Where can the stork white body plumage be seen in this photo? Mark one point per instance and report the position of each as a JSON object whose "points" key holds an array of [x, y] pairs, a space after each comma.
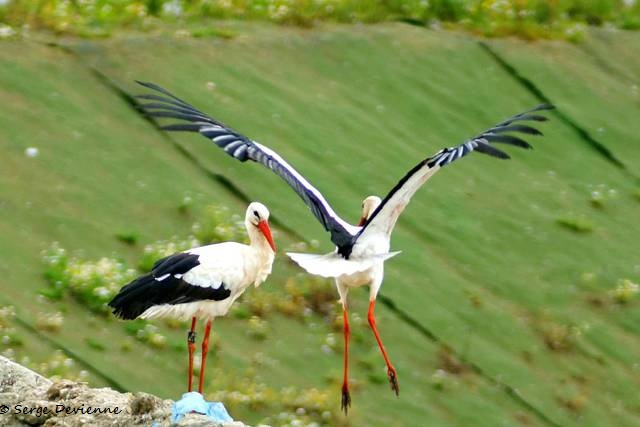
{"points": [[360, 250], [201, 282], [231, 265], [365, 265]]}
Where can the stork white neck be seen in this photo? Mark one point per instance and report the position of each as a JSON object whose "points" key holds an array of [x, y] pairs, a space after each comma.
{"points": [[369, 205], [261, 242]]}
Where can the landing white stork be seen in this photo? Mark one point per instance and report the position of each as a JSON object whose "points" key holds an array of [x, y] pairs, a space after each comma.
{"points": [[360, 250], [202, 282]]}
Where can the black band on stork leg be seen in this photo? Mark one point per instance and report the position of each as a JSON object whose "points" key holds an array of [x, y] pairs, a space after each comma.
{"points": [[191, 345]]}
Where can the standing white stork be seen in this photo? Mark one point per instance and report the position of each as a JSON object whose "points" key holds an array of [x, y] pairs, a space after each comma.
{"points": [[360, 250], [201, 282]]}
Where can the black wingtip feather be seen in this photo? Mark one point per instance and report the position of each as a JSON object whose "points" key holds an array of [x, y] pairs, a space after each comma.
{"points": [[508, 139], [516, 128], [184, 127], [485, 148], [175, 115], [145, 84], [155, 87], [545, 106], [540, 107], [533, 117], [171, 106], [162, 90]]}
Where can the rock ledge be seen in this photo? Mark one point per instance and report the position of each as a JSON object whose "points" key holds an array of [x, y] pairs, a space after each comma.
{"points": [[28, 398]]}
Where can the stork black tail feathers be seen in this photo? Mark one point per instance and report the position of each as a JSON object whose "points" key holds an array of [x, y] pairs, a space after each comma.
{"points": [[133, 299], [164, 285]]}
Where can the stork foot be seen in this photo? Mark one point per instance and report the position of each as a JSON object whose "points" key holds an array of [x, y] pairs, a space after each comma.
{"points": [[393, 380], [346, 399]]}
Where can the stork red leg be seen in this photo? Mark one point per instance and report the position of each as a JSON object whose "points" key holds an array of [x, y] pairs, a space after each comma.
{"points": [[391, 372], [191, 344], [346, 397], [205, 350]]}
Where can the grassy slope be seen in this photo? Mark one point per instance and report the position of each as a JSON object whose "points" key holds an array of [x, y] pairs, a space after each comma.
{"points": [[87, 181], [79, 191], [484, 265], [601, 72]]}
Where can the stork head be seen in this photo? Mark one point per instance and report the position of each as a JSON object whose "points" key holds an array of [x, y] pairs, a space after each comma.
{"points": [[369, 205], [258, 216]]}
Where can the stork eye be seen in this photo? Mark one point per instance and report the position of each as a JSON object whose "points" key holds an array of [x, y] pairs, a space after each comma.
{"points": [[256, 214]]}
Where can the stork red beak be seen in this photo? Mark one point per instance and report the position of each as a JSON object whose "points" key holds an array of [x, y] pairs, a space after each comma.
{"points": [[362, 221], [264, 228]]}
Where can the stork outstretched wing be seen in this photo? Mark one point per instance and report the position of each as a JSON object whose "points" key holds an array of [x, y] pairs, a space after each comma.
{"points": [[240, 147], [383, 219]]}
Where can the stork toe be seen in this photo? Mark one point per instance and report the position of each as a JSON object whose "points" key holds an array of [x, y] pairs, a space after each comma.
{"points": [[346, 400], [393, 380]]}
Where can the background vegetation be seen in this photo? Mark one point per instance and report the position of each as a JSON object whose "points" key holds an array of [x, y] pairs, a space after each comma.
{"points": [[514, 302], [529, 19]]}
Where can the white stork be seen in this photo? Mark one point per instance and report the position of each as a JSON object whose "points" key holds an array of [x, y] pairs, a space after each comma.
{"points": [[360, 250], [201, 282]]}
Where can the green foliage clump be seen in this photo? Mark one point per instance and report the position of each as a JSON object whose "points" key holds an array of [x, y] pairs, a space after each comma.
{"points": [[292, 406], [8, 335], [625, 291], [94, 283], [146, 333], [51, 322], [257, 328], [185, 204], [163, 248], [7, 32], [91, 18], [562, 337], [440, 379], [602, 194], [128, 237], [58, 366], [574, 223], [306, 294], [217, 224], [95, 344]]}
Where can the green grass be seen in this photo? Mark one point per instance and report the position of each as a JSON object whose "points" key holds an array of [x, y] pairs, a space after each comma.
{"points": [[485, 265]]}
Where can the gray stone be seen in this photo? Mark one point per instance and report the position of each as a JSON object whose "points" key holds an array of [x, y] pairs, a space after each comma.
{"points": [[27, 398]]}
